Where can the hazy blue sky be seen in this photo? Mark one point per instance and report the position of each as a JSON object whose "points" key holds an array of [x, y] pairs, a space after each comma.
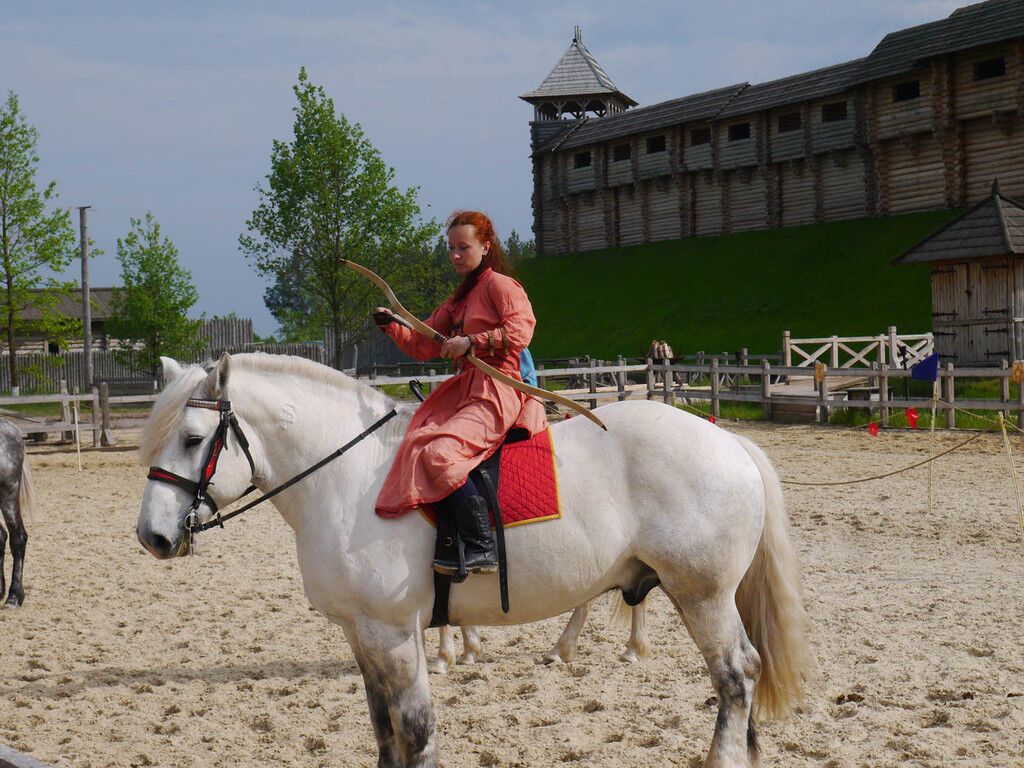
{"points": [[172, 107]]}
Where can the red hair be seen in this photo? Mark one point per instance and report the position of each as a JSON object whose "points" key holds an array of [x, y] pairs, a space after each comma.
{"points": [[495, 257]]}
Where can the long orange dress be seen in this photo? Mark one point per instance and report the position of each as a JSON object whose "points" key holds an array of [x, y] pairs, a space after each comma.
{"points": [[466, 418]]}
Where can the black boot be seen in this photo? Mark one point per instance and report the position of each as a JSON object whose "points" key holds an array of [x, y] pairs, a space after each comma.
{"points": [[472, 520]]}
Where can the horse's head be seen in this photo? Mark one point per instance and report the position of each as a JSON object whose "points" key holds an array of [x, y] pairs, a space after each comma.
{"points": [[198, 457]]}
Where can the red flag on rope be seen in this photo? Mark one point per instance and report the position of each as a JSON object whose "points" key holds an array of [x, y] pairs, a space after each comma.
{"points": [[711, 419], [873, 428], [912, 417]]}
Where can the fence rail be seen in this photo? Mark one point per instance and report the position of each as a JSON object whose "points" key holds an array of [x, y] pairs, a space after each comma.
{"points": [[712, 382]]}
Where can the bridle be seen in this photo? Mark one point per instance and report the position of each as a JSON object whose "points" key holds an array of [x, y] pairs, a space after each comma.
{"points": [[199, 489]]}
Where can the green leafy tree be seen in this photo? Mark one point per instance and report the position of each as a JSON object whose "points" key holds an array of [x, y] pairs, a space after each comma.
{"points": [[32, 240], [517, 248], [330, 196], [150, 310]]}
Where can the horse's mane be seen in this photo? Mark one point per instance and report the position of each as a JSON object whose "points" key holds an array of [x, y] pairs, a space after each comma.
{"points": [[169, 408]]}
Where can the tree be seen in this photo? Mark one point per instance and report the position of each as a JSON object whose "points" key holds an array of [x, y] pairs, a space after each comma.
{"points": [[151, 308], [31, 240], [330, 196], [517, 248]]}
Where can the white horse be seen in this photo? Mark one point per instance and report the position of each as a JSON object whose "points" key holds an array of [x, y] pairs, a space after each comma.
{"points": [[564, 648], [661, 498]]}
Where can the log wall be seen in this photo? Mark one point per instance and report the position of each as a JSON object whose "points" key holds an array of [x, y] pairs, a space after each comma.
{"points": [[942, 148]]}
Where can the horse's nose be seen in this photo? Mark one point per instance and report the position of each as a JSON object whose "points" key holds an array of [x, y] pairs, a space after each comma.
{"points": [[156, 544]]}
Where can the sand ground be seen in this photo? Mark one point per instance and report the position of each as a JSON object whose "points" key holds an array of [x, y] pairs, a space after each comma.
{"points": [[117, 659]]}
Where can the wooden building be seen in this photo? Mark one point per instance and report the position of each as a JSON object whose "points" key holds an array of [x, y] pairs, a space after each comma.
{"points": [[926, 120], [977, 266]]}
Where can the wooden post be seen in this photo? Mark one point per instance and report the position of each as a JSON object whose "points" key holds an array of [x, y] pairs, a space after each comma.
{"points": [[666, 365], [620, 377], [823, 399], [650, 379], [107, 436], [883, 394], [65, 412], [1020, 405], [787, 353], [766, 389], [592, 381], [881, 351], [950, 397], [715, 407], [541, 379], [1004, 389], [834, 360], [893, 347], [95, 406], [744, 358]]}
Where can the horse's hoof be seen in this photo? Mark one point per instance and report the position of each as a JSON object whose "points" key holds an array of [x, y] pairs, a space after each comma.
{"points": [[629, 656], [439, 667], [552, 657], [13, 602], [468, 658]]}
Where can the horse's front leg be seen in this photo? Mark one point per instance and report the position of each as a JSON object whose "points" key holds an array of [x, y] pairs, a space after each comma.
{"points": [[445, 652], [394, 667]]}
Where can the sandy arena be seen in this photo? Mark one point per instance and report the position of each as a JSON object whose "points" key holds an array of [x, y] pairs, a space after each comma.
{"points": [[120, 660]]}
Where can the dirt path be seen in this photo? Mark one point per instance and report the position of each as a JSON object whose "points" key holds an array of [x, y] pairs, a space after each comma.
{"points": [[120, 660]]}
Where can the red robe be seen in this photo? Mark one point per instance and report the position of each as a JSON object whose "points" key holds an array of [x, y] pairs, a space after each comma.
{"points": [[466, 418]]}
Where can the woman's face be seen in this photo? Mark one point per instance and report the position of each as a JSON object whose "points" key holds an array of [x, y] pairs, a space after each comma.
{"points": [[464, 249]]}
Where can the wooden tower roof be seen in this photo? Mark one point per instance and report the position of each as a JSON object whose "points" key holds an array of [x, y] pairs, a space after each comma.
{"points": [[578, 74], [994, 227]]}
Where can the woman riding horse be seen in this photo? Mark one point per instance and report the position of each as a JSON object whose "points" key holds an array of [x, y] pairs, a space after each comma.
{"points": [[466, 419]]}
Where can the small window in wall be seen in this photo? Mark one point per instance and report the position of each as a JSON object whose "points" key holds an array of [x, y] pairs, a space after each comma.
{"points": [[907, 91], [700, 136], [790, 121], [622, 152], [983, 70], [581, 160], [739, 131], [834, 112], [655, 144]]}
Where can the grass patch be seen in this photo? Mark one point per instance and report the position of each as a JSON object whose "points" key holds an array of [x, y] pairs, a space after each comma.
{"points": [[722, 293]]}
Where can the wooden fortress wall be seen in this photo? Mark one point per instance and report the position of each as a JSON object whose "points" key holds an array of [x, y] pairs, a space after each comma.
{"points": [[940, 149]]}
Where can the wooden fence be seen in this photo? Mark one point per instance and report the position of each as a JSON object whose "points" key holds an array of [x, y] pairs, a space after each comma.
{"points": [[886, 349]]}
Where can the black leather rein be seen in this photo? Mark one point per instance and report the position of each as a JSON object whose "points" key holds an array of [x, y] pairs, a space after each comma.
{"points": [[199, 488]]}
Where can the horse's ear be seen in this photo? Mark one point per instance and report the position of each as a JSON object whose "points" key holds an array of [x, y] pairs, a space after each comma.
{"points": [[217, 380], [171, 369]]}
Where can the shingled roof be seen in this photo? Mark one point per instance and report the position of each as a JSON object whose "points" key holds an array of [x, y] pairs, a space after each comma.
{"points": [[968, 27], [994, 227], [577, 73], [700, 106], [793, 89]]}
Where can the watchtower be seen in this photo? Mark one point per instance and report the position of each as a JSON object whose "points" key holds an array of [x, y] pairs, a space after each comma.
{"points": [[576, 87]]}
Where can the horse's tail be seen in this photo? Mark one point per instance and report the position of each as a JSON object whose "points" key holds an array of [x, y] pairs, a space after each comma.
{"points": [[770, 602], [25, 490]]}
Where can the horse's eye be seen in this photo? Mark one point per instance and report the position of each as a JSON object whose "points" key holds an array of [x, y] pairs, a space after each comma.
{"points": [[192, 441]]}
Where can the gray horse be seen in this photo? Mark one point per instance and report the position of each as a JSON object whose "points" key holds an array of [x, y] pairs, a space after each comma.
{"points": [[15, 498]]}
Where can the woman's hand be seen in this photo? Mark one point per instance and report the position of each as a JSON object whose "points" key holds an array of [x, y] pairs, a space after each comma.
{"points": [[456, 346], [383, 317]]}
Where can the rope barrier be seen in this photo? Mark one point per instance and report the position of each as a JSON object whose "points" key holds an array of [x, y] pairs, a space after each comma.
{"points": [[957, 447]]}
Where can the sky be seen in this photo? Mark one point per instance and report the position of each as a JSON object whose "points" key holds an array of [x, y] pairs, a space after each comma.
{"points": [[173, 107]]}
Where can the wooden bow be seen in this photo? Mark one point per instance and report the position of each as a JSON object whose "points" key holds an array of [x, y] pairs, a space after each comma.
{"points": [[421, 327]]}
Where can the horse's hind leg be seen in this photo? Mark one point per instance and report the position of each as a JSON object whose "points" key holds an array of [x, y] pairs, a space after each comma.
{"points": [[471, 646], [735, 666], [636, 647], [565, 648], [445, 652], [18, 538]]}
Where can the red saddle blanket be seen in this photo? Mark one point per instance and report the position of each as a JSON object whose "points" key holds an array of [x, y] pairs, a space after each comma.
{"points": [[528, 488]]}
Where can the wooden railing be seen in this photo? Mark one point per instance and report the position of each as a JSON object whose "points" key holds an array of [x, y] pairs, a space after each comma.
{"points": [[886, 349]]}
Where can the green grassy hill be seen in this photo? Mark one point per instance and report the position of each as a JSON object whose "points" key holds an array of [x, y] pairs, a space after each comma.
{"points": [[721, 293]]}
